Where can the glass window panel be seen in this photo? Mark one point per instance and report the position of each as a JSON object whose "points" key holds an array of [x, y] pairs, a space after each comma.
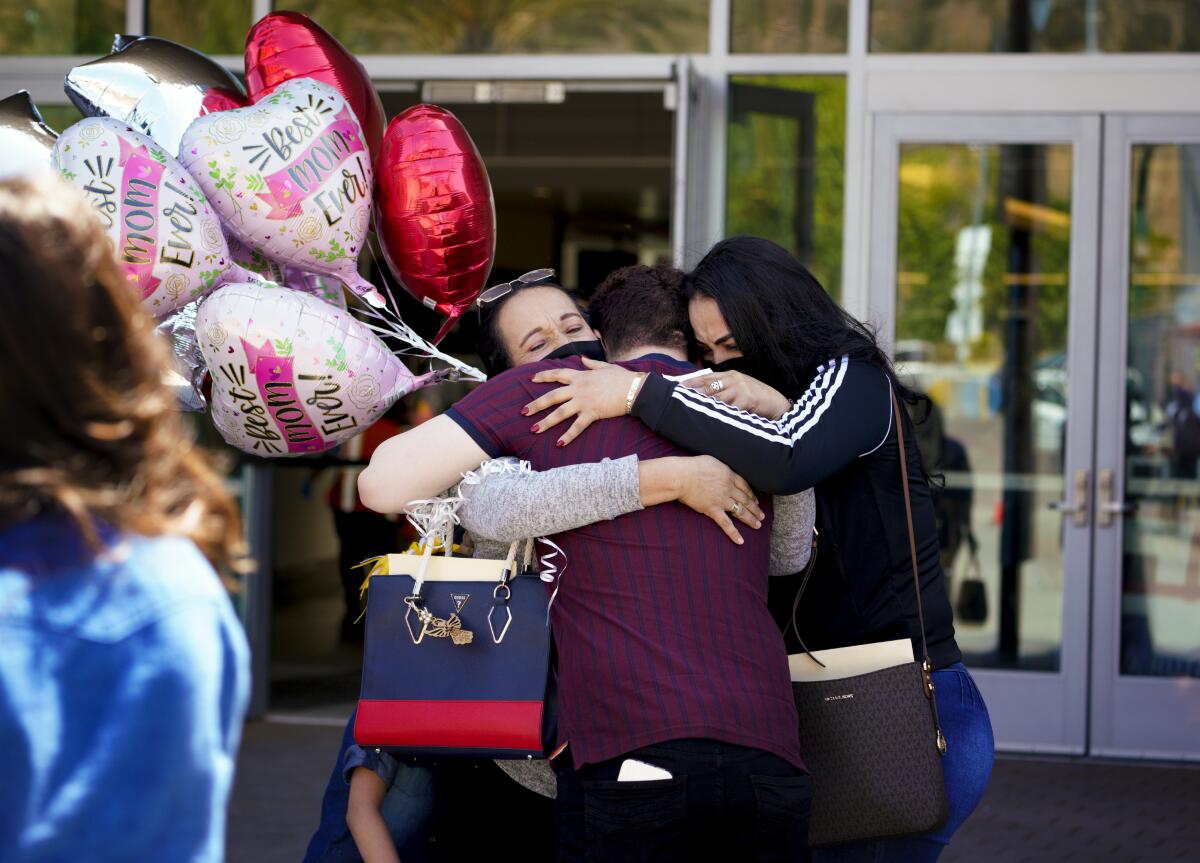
{"points": [[512, 26], [213, 27], [983, 245], [1160, 586], [60, 27], [59, 117], [787, 144], [789, 26], [972, 26]]}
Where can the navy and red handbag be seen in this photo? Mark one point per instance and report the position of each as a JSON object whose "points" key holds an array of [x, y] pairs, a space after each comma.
{"points": [[457, 656]]}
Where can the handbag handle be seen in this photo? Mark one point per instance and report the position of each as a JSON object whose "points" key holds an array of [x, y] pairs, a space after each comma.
{"points": [[908, 520], [509, 562], [808, 571], [926, 666]]}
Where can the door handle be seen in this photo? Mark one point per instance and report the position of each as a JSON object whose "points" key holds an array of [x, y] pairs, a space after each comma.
{"points": [[1106, 508], [1077, 507]]}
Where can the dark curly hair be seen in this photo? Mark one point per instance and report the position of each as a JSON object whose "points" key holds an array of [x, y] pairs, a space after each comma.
{"points": [[640, 305]]}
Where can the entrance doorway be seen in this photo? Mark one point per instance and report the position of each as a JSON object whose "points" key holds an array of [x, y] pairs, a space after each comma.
{"points": [[1043, 277], [584, 176], [581, 173]]}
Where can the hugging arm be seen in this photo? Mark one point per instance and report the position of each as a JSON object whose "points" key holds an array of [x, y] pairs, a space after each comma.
{"points": [[791, 532], [418, 464], [845, 413], [506, 503]]}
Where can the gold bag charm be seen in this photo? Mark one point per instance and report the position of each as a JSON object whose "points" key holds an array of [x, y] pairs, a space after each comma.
{"points": [[449, 627]]}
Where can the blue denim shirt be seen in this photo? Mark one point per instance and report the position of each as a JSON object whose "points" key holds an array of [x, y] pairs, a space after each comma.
{"points": [[123, 684]]}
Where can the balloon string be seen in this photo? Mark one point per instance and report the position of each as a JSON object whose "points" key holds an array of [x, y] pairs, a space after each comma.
{"points": [[435, 518], [392, 325], [381, 266], [397, 329], [550, 572]]}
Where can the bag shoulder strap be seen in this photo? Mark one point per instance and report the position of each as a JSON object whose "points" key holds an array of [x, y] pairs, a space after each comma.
{"points": [[908, 518], [912, 543]]}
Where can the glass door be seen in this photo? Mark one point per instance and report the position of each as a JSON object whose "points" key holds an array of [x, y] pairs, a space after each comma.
{"points": [[1146, 617], [983, 275]]}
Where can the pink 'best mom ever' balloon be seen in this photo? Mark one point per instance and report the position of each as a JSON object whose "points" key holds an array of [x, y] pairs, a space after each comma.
{"points": [[291, 176], [293, 374], [167, 239]]}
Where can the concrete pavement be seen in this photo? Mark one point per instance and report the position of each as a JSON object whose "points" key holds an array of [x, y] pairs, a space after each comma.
{"points": [[1035, 810]]}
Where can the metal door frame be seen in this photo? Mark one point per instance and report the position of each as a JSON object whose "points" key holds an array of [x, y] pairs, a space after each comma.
{"points": [[1139, 717], [1031, 710]]}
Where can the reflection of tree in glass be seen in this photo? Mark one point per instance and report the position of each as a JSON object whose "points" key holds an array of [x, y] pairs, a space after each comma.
{"points": [[214, 27], [513, 26], [764, 166], [59, 27], [938, 183], [1034, 25], [787, 27]]}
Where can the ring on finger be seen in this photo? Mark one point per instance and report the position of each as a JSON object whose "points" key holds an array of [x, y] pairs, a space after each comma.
{"points": [[716, 386], [736, 509]]}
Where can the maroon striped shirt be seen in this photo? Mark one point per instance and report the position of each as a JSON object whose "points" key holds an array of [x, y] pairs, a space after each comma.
{"points": [[661, 622]]}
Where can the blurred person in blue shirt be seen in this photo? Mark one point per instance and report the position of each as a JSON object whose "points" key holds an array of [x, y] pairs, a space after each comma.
{"points": [[123, 670]]}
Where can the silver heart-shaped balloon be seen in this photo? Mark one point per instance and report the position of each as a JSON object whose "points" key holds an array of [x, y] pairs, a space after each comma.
{"points": [[25, 139], [154, 85]]}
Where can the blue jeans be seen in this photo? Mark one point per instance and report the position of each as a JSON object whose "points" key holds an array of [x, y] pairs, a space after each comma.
{"points": [[966, 766], [407, 809]]}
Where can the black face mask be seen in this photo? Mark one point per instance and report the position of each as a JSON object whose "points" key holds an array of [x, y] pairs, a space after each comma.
{"points": [[733, 364], [593, 350], [743, 364]]}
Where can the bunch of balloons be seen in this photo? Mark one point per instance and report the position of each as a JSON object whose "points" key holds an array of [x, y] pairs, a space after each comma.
{"points": [[238, 213]]}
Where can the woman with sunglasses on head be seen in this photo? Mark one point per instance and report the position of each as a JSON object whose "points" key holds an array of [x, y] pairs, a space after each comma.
{"points": [[802, 396], [531, 319], [521, 322]]}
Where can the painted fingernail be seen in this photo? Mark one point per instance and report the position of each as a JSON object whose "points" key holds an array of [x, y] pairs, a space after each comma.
{"points": [[534, 428], [561, 442], [524, 412]]}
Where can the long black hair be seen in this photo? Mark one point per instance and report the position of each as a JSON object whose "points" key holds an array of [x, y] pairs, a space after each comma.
{"points": [[781, 317]]}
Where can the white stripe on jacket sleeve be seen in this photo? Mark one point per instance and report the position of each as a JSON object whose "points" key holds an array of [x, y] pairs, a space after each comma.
{"points": [[806, 413]]}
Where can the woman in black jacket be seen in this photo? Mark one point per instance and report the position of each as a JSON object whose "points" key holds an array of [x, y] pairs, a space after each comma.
{"points": [[801, 396]]}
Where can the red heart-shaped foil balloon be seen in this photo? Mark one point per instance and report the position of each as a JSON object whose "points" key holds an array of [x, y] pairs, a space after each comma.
{"points": [[434, 213], [287, 45]]}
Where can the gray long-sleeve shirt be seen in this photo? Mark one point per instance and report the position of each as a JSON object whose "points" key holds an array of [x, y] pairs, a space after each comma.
{"points": [[505, 501]]}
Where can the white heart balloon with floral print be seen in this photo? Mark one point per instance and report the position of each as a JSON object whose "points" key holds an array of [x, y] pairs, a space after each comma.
{"points": [[292, 374], [167, 238], [291, 176]]}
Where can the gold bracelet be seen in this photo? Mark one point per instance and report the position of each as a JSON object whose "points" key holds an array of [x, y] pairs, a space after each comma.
{"points": [[634, 386]]}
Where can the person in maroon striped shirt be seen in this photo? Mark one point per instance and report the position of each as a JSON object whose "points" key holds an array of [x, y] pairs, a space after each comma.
{"points": [[668, 655]]}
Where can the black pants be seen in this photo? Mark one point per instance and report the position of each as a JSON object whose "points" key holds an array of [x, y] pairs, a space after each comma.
{"points": [[481, 815], [723, 802]]}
